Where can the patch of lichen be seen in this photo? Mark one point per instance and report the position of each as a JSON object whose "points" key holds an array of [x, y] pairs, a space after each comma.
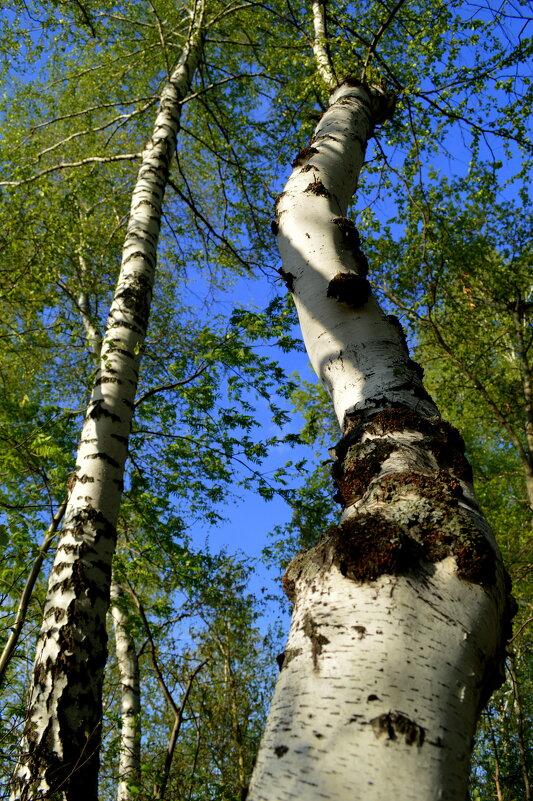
{"points": [[368, 546], [474, 555], [360, 464], [446, 530], [436, 545], [440, 488], [449, 456]]}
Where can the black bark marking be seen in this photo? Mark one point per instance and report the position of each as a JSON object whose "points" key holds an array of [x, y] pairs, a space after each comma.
{"points": [[122, 351], [104, 457], [81, 655], [278, 200], [394, 321], [352, 241], [321, 138], [288, 278], [318, 641], [361, 631], [121, 323], [99, 410], [304, 155], [280, 750], [287, 656], [372, 697], [106, 379], [380, 104], [318, 188], [137, 294], [274, 227], [394, 725], [349, 288], [137, 254], [120, 438]]}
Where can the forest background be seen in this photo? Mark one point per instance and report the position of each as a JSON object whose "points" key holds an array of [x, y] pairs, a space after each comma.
{"points": [[444, 213]]}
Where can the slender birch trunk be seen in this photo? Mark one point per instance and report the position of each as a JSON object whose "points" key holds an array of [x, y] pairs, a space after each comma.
{"points": [[401, 611], [60, 755], [129, 770]]}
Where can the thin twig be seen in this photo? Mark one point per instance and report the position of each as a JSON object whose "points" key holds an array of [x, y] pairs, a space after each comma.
{"points": [[377, 36], [66, 165]]}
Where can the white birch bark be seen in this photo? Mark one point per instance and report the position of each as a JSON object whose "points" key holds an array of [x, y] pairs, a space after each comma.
{"points": [[398, 621], [62, 733], [130, 700], [320, 44]]}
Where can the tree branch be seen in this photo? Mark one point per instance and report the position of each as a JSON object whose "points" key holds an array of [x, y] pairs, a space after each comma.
{"points": [[66, 165], [160, 787], [324, 63], [377, 36]]}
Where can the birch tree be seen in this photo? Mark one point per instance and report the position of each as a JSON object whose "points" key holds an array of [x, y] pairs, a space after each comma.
{"points": [[130, 692], [401, 612], [64, 711], [64, 716], [474, 334]]}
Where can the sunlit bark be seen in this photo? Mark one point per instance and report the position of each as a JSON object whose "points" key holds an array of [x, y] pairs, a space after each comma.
{"points": [[400, 611]]}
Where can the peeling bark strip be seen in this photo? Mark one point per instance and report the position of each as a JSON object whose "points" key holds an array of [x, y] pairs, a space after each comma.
{"points": [[401, 612], [60, 755]]}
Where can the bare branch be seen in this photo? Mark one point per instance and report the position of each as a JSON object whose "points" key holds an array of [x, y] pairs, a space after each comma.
{"points": [[86, 17], [67, 165], [196, 211], [160, 787], [173, 385], [377, 36], [151, 100], [121, 118], [161, 38]]}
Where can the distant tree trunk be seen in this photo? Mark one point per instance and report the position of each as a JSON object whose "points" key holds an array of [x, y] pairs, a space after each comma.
{"points": [[60, 752], [130, 700], [401, 611]]}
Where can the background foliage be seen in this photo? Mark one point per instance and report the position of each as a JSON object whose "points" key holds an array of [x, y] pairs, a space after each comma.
{"points": [[218, 403]]}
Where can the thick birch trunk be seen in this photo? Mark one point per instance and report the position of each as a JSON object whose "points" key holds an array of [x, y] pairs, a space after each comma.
{"points": [[62, 733], [130, 700], [400, 612]]}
